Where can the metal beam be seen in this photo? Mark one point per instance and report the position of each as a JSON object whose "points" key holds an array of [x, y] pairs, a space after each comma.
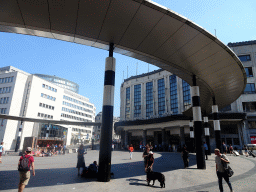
{"points": [[15, 118]]}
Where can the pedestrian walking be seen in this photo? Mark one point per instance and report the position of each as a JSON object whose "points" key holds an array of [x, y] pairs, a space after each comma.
{"points": [[145, 156], [246, 151], [113, 146], [230, 149], [185, 155], [1, 151], [150, 162], [206, 150], [59, 149], [64, 149], [80, 159], [26, 161], [220, 171], [224, 148], [173, 148], [131, 150]]}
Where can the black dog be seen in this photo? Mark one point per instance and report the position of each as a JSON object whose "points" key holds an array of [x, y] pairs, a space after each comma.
{"points": [[156, 176]]}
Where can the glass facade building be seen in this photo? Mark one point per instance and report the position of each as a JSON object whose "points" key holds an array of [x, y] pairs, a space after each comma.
{"points": [[186, 95], [127, 103], [173, 94], [149, 99], [137, 100], [161, 96]]}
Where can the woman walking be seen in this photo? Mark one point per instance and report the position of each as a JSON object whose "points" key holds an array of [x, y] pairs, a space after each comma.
{"points": [[150, 162], [131, 150], [185, 156], [80, 158]]}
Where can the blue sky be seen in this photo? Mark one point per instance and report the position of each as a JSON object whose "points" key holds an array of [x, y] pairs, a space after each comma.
{"points": [[234, 21]]}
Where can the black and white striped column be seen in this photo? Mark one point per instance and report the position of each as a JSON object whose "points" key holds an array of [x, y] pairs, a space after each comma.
{"points": [[107, 118], [216, 123], [191, 130], [192, 136], [207, 134], [19, 137], [197, 117]]}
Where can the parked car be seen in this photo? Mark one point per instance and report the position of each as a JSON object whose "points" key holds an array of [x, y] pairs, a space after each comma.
{"points": [[251, 146]]}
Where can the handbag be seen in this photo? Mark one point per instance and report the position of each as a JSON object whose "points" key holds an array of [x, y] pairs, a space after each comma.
{"points": [[228, 170]]}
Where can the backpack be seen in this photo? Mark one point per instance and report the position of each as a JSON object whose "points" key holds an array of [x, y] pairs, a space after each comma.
{"points": [[24, 164]]}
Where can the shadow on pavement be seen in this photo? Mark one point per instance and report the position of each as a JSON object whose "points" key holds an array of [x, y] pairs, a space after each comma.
{"points": [[62, 176]]}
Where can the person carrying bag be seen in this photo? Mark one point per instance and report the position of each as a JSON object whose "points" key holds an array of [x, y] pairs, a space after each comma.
{"points": [[228, 170]]}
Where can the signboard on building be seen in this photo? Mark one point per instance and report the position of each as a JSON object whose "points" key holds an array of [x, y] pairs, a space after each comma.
{"points": [[253, 139]]}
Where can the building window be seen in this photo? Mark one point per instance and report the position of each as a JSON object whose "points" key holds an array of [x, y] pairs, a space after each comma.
{"points": [[249, 106], [186, 95], [127, 107], [249, 89], [137, 100], [3, 110], [161, 96], [244, 57], [248, 71], [227, 108], [149, 99], [173, 94], [6, 80], [4, 100]]}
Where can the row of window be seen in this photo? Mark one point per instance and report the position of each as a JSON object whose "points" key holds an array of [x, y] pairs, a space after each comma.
{"points": [[46, 106], [161, 96], [137, 100], [6, 80], [49, 88], [81, 130], [149, 99], [73, 117], [48, 97], [244, 57], [75, 112], [3, 110], [76, 107], [173, 94], [127, 108], [45, 115], [5, 90], [76, 101], [4, 100]]}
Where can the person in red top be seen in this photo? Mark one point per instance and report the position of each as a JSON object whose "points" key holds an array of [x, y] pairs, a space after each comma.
{"points": [[131, 150], [25, 175]]}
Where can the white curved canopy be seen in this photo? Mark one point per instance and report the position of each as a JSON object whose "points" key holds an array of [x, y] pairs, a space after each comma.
{"points": [[140, 29]]}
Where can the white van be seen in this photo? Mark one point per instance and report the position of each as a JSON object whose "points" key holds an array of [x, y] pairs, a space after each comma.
{"points": [[251, 146]]}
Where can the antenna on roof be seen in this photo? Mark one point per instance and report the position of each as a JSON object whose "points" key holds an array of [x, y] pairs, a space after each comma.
{"points": [[136, 68]]}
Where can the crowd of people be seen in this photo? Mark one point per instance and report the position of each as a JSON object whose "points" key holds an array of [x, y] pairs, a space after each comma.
{"points": [[50, 150]]}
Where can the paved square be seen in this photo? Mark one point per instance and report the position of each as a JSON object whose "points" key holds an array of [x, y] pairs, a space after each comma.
{"points": [[58, 173]]}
